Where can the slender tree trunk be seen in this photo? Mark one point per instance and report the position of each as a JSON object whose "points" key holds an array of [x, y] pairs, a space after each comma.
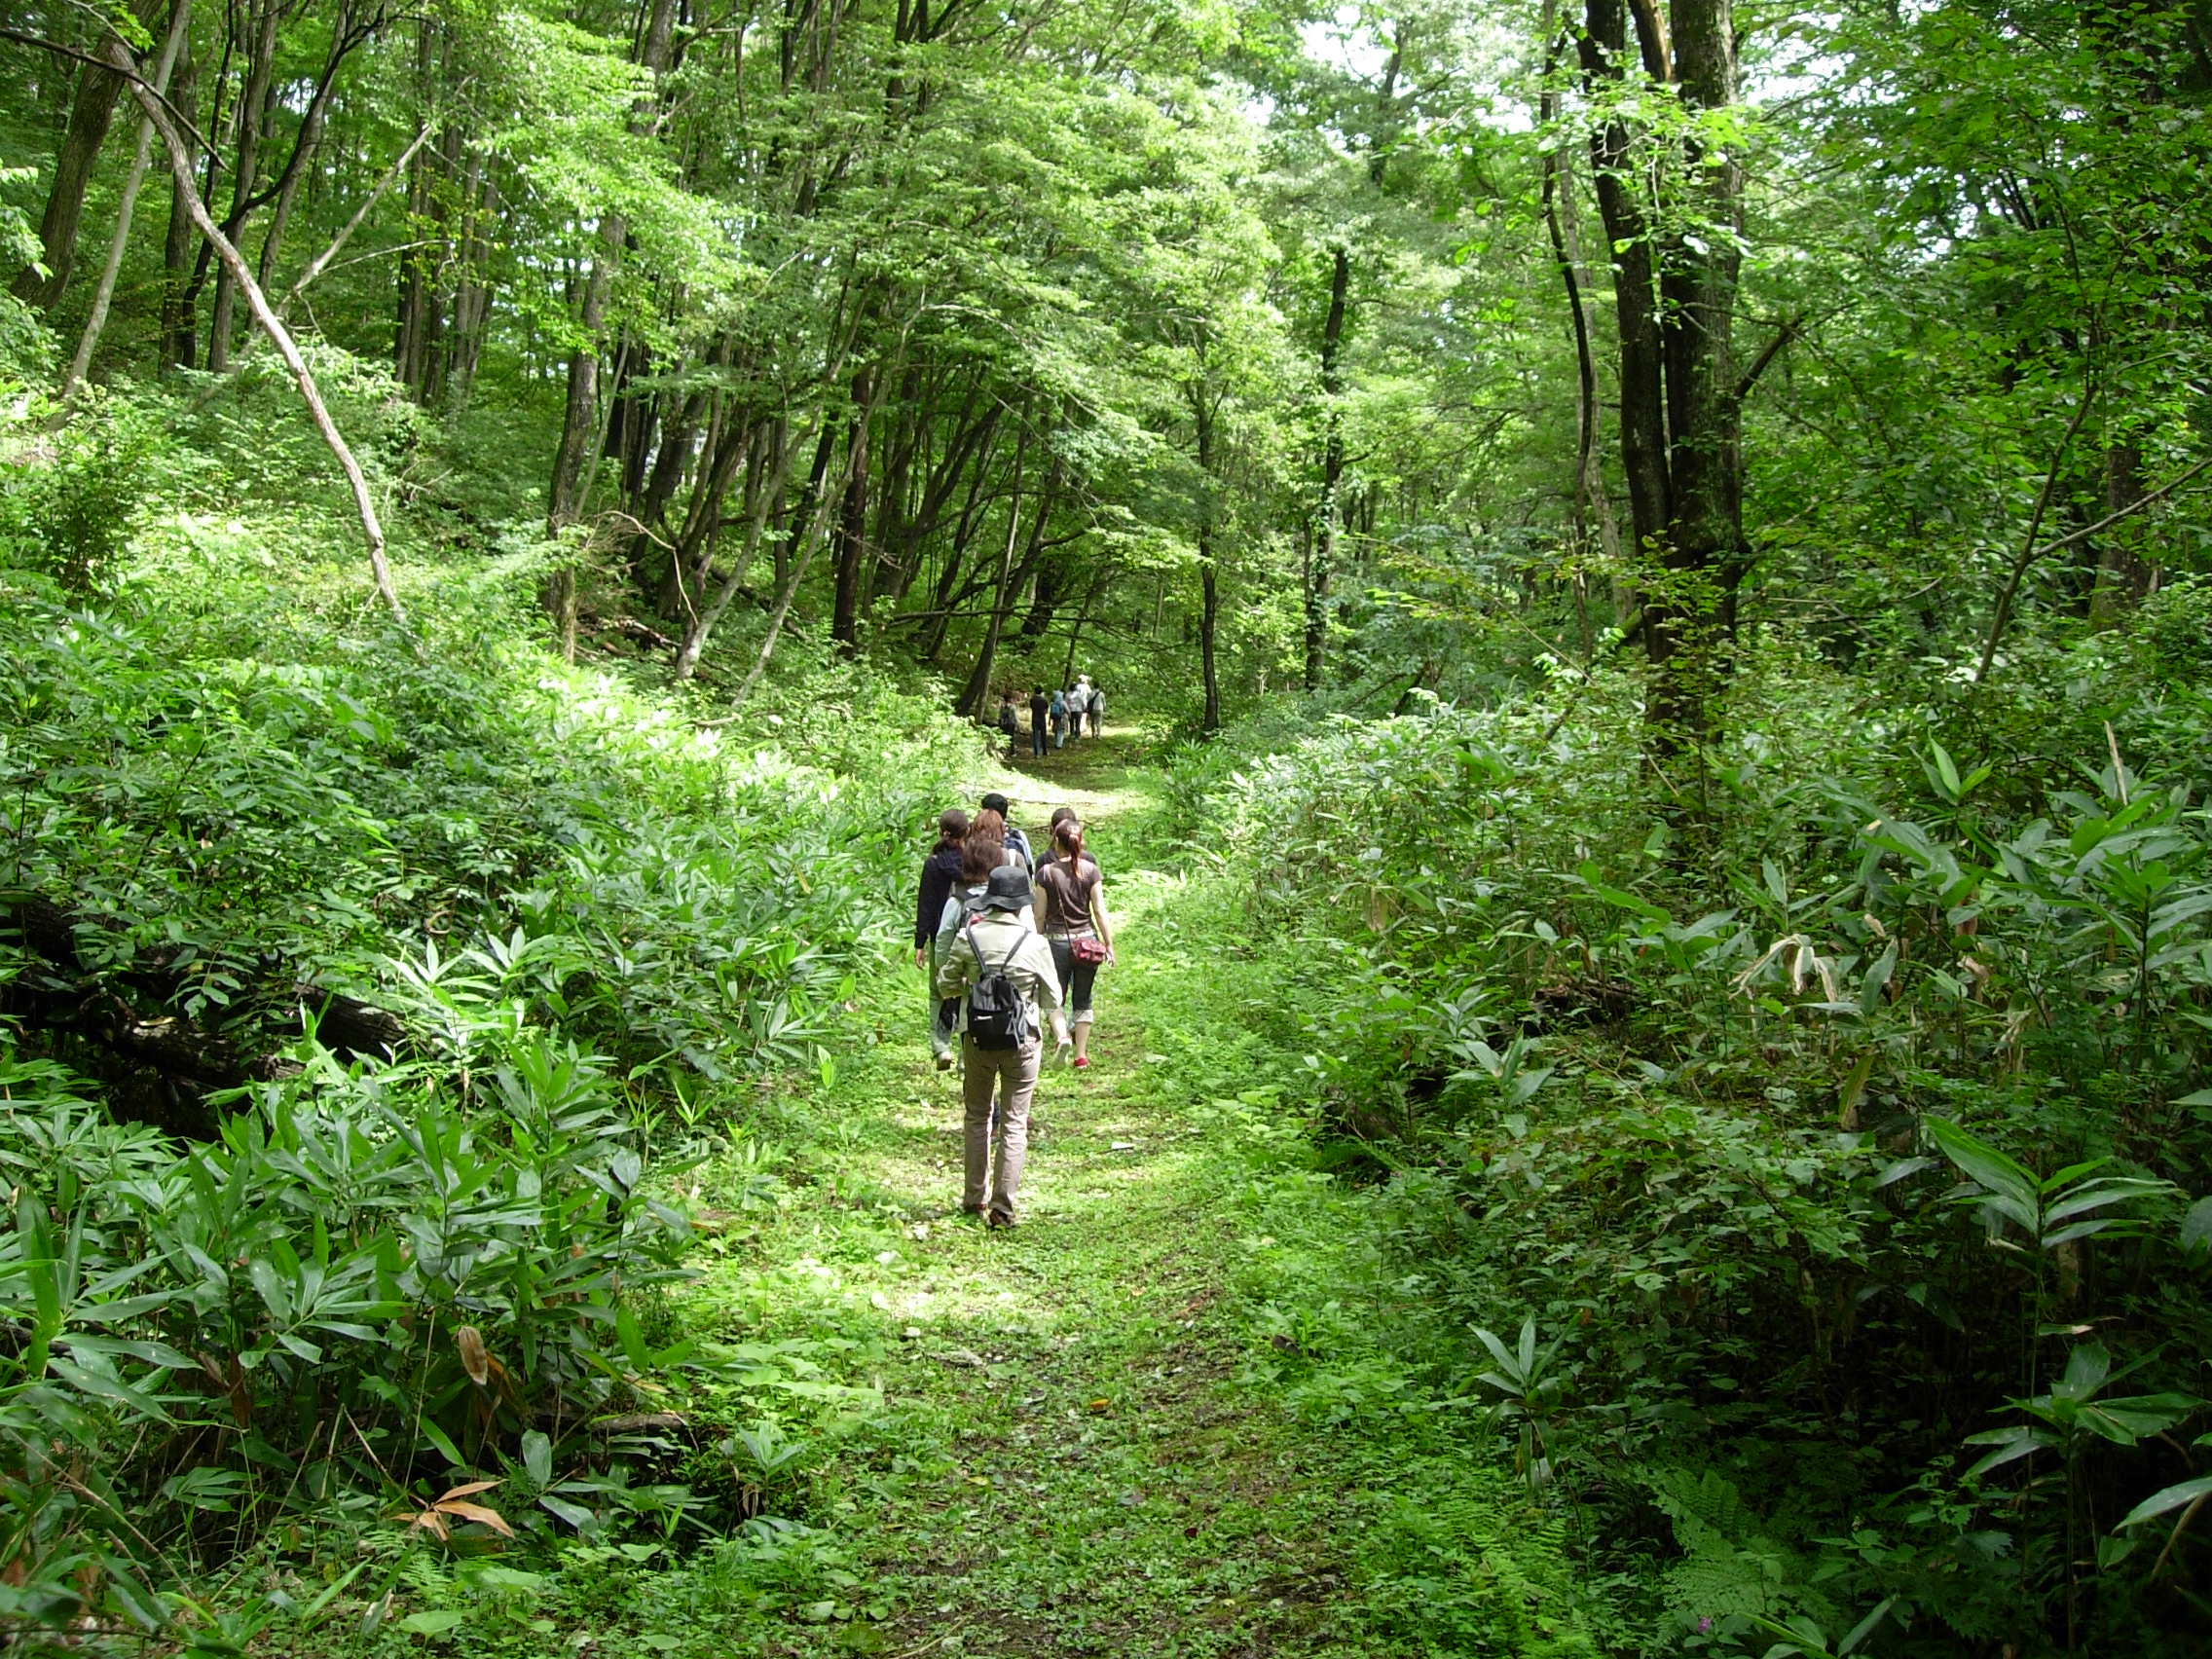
{"points": [[852, 531], [580, 419], [808, 535], [253, 109], [975, 699], [103, 296], [2126, 578], [1209, 617], [181, 168], [90, 115], [765, 497], [382, 188], [177, 343], [580, 429], [1321, 541]]}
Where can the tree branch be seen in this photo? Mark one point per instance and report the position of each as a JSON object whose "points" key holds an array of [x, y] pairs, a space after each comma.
{"points": [[1765, 360], [2005, 595], [2019, 568], [188, 187], [141, 88]]}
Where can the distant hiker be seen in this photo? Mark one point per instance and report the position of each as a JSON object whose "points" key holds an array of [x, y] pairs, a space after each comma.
{"points": [[1040, 710], [1098, 711], [1058, 710], [1017, 842], [1009, 723], [941, 871], [1002, 971], [1071, 913], [1076, 699]]}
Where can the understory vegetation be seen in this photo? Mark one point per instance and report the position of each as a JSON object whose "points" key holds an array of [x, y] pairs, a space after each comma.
{"points": [[1818, 1225]]}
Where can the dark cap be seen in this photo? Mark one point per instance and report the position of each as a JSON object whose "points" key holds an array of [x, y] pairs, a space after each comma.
{"points": [[993, 803], [1008, 890]]}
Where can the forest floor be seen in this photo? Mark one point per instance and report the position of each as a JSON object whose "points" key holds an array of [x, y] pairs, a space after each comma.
{"points": [[1064, 1459]]}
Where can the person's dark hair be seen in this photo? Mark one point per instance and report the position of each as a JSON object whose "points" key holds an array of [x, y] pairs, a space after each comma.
{"points": [[979, 855], [951, 824], [989, 825], [1067, 836], [1061, 814], [995, 802]]}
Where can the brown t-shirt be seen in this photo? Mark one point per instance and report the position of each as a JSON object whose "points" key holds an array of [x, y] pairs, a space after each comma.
{"points": [[1068, 896]]}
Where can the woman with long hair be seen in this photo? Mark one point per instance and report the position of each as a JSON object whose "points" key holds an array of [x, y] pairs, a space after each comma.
{"points": [[939, 872], [989, 825], [1071, 913]]}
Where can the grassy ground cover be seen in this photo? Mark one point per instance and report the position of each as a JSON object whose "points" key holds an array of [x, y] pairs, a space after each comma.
{"points": [[1058, 1440]]}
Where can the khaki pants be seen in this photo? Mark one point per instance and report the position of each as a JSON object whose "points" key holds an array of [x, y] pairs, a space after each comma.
{"points": [[1010, 1074]]}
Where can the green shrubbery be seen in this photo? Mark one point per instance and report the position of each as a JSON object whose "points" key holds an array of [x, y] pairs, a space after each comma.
{"points": [[1811, 1179], [563, 928]]}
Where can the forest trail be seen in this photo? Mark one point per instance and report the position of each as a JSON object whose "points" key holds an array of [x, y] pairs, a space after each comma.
{"points": [[1072, 1468]]}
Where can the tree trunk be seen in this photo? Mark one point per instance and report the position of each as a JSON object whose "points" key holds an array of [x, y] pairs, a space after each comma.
{"points": [[382, 187], [2124, 577], [768, 491], [975, 698], [1209, 614], [180, 29], [89, 115], [1321, 541], [852, 528], [579, 424], [1209, 579], [806, 535], [178, 342], [181, 168], [1674, 290], [255, 103]]}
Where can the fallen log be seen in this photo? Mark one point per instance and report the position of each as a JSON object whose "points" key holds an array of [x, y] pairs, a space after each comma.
{"points": [[135, 1016]]}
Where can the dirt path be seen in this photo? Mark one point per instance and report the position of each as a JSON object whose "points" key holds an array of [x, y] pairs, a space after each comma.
{"points": [[1064, 1464]]}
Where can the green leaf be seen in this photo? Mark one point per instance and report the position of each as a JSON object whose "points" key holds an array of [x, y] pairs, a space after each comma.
{"points": [[443, 1445], [1989, 1168], [574, 1514], [537, 1456], [2172, 1497], [2016, 1442], [2196, 1227], [2099, 1194], [433, 1621], [1946, 772]]}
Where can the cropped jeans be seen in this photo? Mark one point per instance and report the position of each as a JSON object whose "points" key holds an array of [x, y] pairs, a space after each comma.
{"points": [[1076, 978]]}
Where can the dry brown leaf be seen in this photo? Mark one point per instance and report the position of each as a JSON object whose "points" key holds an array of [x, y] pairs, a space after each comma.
{"points": [[475, 1358], [491, 1518]]}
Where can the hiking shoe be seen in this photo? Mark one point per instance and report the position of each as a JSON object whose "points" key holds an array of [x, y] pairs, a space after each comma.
{"points": [[1083, 1062], [998, 1223], [945, 1061]]}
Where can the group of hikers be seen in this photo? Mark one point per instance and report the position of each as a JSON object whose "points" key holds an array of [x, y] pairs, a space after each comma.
{"points": [[1007, 936], [1061, 712]]}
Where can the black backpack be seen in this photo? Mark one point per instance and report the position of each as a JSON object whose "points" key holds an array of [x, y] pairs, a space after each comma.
{"points": [[997, 1015]]}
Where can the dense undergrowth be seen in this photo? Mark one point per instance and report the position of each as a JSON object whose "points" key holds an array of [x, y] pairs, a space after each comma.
{"points": [[377, 1015], [1813, 1218]]}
